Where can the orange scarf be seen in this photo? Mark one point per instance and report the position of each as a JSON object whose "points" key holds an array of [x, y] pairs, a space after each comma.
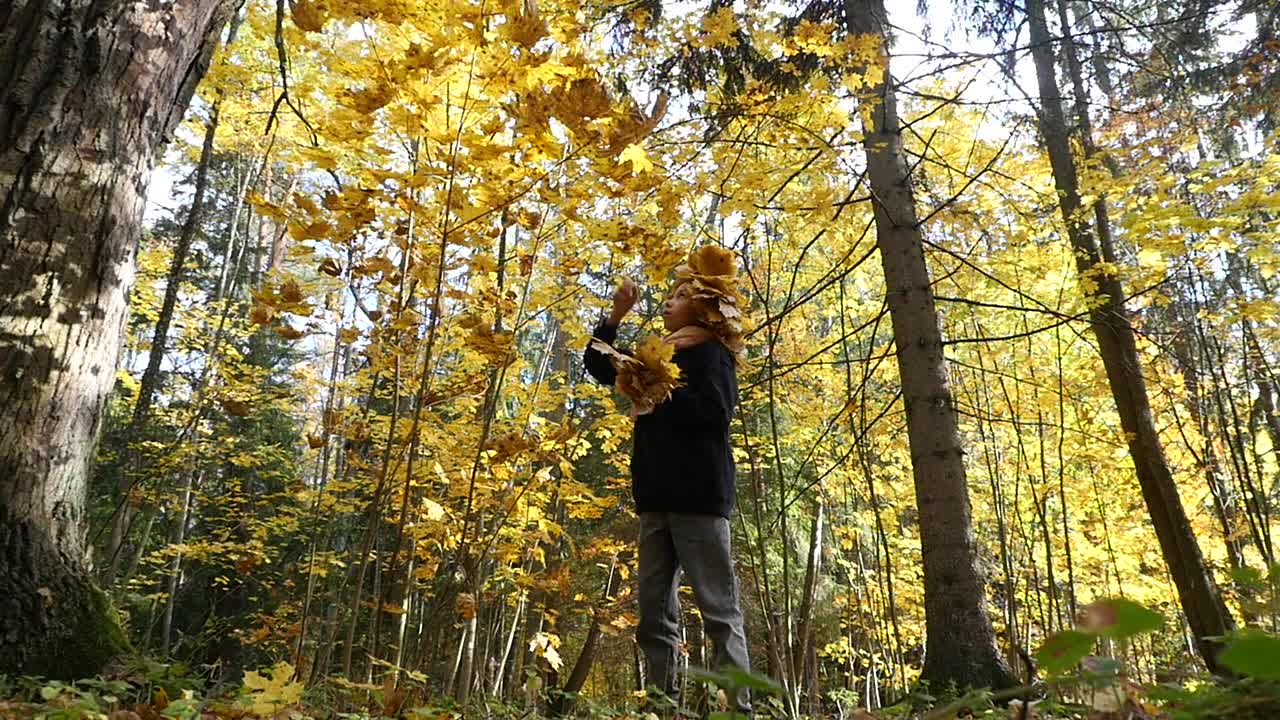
{"points": [[688, 336]]}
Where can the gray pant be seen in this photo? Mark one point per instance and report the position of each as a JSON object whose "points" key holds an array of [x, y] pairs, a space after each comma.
{"points": [[700, 545]]}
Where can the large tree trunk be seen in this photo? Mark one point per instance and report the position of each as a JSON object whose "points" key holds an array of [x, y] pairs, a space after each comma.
{"points": [[91, 90], [960, 645], [1109, 319]]}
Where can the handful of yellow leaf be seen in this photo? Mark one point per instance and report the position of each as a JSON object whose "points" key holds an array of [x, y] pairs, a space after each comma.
{"points": [[648, 376], [711, 275]]}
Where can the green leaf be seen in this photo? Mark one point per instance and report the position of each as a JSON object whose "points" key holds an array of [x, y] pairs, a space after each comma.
{"points": [[1119, 618], [698, 674], [1063, 651], [1253, 653], [1247, 577], [740, 678], [182, 709], [732, 677], [1104, 668]]}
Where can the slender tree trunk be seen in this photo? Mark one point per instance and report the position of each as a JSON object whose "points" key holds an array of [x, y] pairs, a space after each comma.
{"points": [[532, 625], [1062, 481], [175, 567], [1267, 409], [1229, 421], [1203, 606], [1223, 504], [961, 644], [563, 703], [467, 654], [270, 233], [812, 571], [987, 435], [139, 550], [91, 92], [327, 441], [517, 616], [132, 470]]}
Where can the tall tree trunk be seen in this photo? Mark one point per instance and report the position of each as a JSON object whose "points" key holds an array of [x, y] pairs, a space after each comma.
{"points": [[91, 90], [961, 645], [1203, 606], [500, 686]]}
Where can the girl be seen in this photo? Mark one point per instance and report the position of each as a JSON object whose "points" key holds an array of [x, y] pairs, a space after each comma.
{"points": [[682, 471]]}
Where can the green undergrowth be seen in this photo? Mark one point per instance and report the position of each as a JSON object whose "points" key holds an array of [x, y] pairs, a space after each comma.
{"points": [[1076, 684]]}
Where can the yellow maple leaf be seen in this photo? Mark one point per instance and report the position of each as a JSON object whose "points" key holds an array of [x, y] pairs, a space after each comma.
{"points": [[433, 509], [265, 206], [635, 155], [545, 645], [549, 72], [718, 29], [647, 377], [526, 27], [289, 332], [814, 38], [268, 695]]}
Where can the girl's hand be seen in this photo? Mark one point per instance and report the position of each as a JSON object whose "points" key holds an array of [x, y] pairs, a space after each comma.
{"points": [[624, 298]]}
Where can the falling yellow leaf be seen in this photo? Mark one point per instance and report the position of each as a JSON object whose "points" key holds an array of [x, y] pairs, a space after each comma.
{"points": [[309, 15], [635, 155], [330, 267], [261, 314], [291, 292], [237, 408], [289, 332]]}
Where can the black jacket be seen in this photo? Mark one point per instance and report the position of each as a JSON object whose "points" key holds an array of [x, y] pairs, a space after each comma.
{"points": [[680, 456]]}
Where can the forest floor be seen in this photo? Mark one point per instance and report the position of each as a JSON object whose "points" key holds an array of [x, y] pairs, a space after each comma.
{"points": [[154, 691]]}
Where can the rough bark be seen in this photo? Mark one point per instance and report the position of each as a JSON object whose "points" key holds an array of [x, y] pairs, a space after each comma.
{"points": [[960, 645], [1206, 613], [91, 90]]}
